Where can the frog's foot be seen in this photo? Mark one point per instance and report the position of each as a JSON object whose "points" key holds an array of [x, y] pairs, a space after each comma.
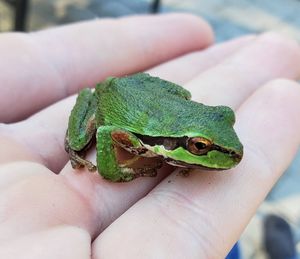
{"points": [[139, 167], [78, 162], [77, 159], [184, 172], [145, 172], [128, 174]]}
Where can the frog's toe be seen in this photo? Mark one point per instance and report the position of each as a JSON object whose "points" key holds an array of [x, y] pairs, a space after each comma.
{"points": [[75, 164], [91, 167], [145, 172]]}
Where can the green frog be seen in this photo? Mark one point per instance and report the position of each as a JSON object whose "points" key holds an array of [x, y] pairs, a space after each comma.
{"points": [[150, 118]]}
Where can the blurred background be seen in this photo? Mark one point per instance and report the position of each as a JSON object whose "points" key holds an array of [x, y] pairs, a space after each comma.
{"points": [[230, 19]]}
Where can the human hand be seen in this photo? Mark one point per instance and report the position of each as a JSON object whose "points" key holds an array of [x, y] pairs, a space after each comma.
{"points": [[74, 214]]}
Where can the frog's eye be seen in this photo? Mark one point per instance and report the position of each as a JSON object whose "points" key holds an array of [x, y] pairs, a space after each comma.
{"points": [[198, 145]]}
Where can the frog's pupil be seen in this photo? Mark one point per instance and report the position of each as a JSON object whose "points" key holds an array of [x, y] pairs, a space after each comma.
{"points": [[200, 145]]}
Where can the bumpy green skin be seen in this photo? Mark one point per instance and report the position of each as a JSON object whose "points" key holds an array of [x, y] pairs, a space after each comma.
{"points": [[154, 107], [148, 106]]}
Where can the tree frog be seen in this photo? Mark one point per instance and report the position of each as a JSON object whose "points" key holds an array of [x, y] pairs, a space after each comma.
{"points": [[149, 117]]}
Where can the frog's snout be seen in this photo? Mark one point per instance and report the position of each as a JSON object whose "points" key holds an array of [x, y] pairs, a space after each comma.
{"points": [[237, 156]]}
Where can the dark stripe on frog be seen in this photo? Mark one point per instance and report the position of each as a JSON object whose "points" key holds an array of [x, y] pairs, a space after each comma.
{"points": [[170, 143]]}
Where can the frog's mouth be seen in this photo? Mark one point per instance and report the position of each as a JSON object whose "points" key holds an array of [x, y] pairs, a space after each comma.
{"points": [[186, 165], [182, 164]]}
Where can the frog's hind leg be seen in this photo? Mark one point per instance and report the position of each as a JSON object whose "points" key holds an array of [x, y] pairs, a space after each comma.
{"points": [[81, 129], [108, 137]]}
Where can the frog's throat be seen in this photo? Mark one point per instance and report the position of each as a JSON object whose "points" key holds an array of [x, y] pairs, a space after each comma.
{"points": [[186, 165]]}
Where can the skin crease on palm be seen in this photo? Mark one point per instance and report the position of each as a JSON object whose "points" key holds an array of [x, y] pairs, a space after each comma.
{"points": [[49, 210]]}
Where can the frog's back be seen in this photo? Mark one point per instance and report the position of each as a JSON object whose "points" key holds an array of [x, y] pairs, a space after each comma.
{"points": [[150, 106], [146, 84], [136, 102]]}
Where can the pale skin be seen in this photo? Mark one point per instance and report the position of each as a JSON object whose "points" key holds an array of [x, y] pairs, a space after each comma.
{"points": [[74, 214]]}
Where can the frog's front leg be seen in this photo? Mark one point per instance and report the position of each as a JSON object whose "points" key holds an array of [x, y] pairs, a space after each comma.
{"points": [[108, 137], [81, 129]]}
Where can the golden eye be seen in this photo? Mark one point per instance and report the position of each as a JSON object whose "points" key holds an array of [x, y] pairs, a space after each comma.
{"points": [[198, 145]]}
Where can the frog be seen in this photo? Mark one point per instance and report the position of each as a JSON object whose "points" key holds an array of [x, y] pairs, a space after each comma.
{"points": [[151, 118]]}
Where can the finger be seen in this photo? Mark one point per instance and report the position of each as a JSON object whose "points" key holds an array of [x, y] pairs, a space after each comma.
{"points": [[229, 83], [202, 216], [55, 63], [58, 242], [50, 124], [182, 69]]}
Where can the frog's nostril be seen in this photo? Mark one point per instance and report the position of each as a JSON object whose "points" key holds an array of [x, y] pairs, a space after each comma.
{"points": [[236, 156]]}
